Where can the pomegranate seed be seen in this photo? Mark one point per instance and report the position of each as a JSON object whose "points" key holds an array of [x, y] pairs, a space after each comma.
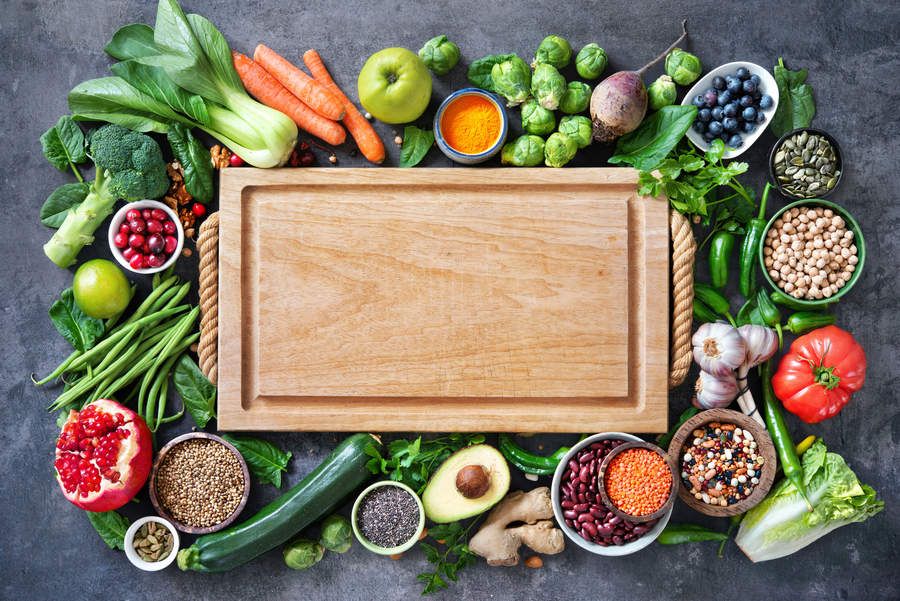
{"points": [[235, 161], [124, 228], [146, 213], [137, 226], [169, 227], [198, 209], [154, 226], [156, 261], [136, 261], [132, 214], [171, 244], [158, 214], [121, 240]]}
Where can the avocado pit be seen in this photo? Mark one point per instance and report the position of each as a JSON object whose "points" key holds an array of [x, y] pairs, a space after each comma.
{"points": [[473, 481]]}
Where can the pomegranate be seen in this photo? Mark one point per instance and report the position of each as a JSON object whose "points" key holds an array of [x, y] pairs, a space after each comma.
{"points": [[103, 456]]}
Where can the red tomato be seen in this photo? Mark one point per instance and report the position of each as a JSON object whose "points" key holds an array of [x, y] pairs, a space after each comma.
{"points": [[819, 374]]}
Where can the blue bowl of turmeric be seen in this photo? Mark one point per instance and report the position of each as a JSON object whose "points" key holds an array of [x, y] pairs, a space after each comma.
{"points": [[470, 126]]}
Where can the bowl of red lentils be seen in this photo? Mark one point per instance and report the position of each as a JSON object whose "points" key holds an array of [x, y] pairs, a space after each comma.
{"points": [[725, 461], [637, 482]]}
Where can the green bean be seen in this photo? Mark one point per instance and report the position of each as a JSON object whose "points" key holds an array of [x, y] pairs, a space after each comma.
{"points": [[146, 306], [157, 402]]}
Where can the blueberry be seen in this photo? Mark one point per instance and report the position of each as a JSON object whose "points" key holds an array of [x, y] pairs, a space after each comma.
{"points": [[749, 128], [709, 136], [743, 73], [718, 83], [715, 128], [704, 115], [748, 86], [735, 141], [724, 98], [730, 124], [755, 79], [766, 102], [761, 117], [733, 85], [730, 109], [749, 114], [698, 100], [717, 113], [746, 100], [710, 97], [699, 127]]}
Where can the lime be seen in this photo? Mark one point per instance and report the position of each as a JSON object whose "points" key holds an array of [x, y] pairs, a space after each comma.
{"points": [[101, 289]]}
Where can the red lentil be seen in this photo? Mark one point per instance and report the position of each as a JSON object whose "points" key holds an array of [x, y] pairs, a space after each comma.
{"points": [[638, 481]]}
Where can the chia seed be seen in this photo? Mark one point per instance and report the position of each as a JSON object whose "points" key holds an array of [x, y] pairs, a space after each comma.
{"points": [[388, 516]]}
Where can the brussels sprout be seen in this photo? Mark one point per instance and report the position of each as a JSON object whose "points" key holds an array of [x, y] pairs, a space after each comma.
{"points": [[548, 86], [440, 54], [302, 553], [577, 127], [526, 151], [536, 119], [554, 50], [512, 80], [683, 67], [559, 150], [662, 92], [576, 98], [337, 535], [591, 61]]}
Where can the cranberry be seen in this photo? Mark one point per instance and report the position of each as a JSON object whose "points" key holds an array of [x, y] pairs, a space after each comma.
{"points": [[132, 214], [128, 253], [137, 226], [158, 214], [137, 261], [146, 213], [121, 240], [198, 209], [156, 261], [156, 243], [169, 227], [135, 241], [124, 228], [154, 226], [235, 161], [171, 244], [146, 247]]}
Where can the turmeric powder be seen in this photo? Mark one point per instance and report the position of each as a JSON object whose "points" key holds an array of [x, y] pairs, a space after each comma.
{"points": [[471, 124]]}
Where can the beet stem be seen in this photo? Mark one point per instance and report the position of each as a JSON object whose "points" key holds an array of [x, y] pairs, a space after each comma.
{"points": [[667, 50]]}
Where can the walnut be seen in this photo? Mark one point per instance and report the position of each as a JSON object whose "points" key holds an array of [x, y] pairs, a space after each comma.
{"points": [[220, 156]]}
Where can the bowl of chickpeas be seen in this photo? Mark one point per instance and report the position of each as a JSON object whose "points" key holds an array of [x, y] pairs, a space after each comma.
{"points": [[813, 251]]}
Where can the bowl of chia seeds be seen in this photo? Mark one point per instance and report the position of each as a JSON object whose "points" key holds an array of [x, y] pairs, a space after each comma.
{"points": [[388, 518]]}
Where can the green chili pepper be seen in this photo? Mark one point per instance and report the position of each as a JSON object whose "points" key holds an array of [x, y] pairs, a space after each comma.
{"points": [[720, 248], [702, 313], [713, 299], [770, 314], [733, 523], [750, 247], [743, 316], [677, 534], [790, 302], [781, 438], [804, 321], [663, 440], [528, 462]]}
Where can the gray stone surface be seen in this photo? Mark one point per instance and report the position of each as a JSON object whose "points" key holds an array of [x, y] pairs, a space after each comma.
{"points": [[50, 551]]}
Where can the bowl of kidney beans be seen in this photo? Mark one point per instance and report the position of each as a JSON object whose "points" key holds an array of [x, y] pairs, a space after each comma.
{"points": [[145, 236], [579, 508]]}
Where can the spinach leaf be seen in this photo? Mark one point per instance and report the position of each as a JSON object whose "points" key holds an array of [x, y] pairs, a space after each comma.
{"points": [[114, 100], [73, 324], [265, 460], [111, 526], [61, 201], [647, 146], [796, 106], [154, 82], [197, 393], [479, 72], [132, 41], [194, 159], [416, 143], [63, 144]]}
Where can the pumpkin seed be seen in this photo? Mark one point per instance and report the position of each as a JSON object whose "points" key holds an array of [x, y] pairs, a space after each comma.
{"points": [[802, 139], [791, 170], [798, 161], [831, 183], [779, 156], [813, 187]]}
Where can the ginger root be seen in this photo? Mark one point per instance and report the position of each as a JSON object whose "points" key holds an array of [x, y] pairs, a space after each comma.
{"points": [[499, 544]]}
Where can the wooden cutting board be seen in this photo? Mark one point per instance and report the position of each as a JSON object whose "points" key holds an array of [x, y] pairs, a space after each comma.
{"points": [[523, 300]]}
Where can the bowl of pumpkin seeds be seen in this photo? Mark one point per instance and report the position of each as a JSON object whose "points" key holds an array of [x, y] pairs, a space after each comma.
{"points": [[151, 543], [806, 163]]}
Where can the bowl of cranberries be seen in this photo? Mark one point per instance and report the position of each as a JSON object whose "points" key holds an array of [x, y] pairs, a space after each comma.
{"points": [[145, 236]]}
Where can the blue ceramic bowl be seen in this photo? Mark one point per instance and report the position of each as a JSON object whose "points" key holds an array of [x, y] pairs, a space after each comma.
{"points": [[461, 157]]}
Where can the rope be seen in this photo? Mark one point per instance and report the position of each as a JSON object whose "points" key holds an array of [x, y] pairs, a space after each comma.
{"points": [[683, 249], [208, 247]]}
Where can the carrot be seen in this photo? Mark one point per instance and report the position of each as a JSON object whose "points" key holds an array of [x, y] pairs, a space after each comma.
{"points": [[370, 145], [267, 90], [298, 83]]}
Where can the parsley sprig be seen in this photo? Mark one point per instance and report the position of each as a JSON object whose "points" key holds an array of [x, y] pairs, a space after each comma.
{"points": [[450, 558]]}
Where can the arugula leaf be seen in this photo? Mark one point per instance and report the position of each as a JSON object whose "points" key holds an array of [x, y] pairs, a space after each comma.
{"points": [[63, 145], [479, 72], [265, 460], [73, 324], [647, 146], [797, 106], [416, 143], [61, 201], [197, 393], [447, 562], [194, 159], [111, 526]]}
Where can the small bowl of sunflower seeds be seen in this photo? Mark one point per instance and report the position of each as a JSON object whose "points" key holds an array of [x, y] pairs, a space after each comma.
{"points": [[151, 543], [806, 163]]}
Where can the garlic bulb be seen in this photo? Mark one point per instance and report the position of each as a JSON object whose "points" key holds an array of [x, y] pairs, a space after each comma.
{"points": [[718, 348], [715, 391], [761, 343]]}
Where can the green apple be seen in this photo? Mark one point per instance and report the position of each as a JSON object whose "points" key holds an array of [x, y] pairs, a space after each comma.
{"points": [[395, 85]]}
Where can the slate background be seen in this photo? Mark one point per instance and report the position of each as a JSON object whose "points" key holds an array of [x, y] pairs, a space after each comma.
{"points": [[49, 549]]}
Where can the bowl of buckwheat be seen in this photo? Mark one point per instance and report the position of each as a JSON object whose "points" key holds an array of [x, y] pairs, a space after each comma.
{"points": [[813, 252]]}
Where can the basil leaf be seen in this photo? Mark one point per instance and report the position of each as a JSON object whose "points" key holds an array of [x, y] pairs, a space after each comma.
{"points": [[194, 159], [114, 100], [479, 72], [73, 324], [61, 201], [647, 146], [196, 392], [265, 460], [132, 41], [416, 143], [154, 82], [796, 106], [63, 144], [111, 526]]}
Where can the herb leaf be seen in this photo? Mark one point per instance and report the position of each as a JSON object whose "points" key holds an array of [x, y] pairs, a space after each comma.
{"points": [[73, 324], [197, 393], [63, 144], [412, 462], [797, 106], [111, 527], [61, 201], [416, 143], [194, 159], [265, 460], [448, 561], [647, 146], [479, 72]]}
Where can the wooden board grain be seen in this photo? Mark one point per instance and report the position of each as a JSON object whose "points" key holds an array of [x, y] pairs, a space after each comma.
{"points": [[441, 300]]}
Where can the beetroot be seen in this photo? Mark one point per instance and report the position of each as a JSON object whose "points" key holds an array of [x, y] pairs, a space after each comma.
{"points": [[619, 102]]}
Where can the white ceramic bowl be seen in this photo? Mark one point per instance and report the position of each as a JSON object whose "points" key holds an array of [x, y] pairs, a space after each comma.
{"points": [[767, 86], [135, 559], [461, 157], [354, 514], [613, 550], [119, 218]]}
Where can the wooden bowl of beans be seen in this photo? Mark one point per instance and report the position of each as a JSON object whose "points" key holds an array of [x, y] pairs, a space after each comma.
{"points": [[725, 460], [813, 251], [199, 482], [638, 481]]}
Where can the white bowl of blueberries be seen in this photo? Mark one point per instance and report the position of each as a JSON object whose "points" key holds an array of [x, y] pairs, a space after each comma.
{"points": [[735, 103]]}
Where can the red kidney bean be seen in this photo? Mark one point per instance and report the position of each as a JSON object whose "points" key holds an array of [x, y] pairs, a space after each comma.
{"points": [[629, 536], [570, 514], [566, 504], [615, 520], [581, 497], [585, 457], [585, 517], [573, 465], [640, 530], [582, 488], [589, 528], [604, 530], [582, 507], [585, 474], [602, 543], [570, 523], [597, 445], [628, 525], [598, 513], [617, 540]]}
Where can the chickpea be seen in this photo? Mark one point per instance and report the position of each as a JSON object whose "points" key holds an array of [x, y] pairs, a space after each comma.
{"points": [[829, 213], [788, 287], [768, 262]]}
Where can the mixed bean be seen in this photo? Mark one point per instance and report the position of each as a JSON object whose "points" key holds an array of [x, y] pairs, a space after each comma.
{"points": [[721, 465]]}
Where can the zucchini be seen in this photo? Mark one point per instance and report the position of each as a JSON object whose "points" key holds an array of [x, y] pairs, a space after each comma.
{"points": [[315, 496]]}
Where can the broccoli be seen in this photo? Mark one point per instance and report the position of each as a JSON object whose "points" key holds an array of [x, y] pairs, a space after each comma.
{"points": [[129, 166]]}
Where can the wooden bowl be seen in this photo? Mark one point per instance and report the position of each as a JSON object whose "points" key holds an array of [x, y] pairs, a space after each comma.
{"points": [[764, 447], [601, 482], [161, 510]]}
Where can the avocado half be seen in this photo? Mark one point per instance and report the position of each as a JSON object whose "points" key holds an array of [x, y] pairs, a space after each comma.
{"points": [[469, 482]]}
